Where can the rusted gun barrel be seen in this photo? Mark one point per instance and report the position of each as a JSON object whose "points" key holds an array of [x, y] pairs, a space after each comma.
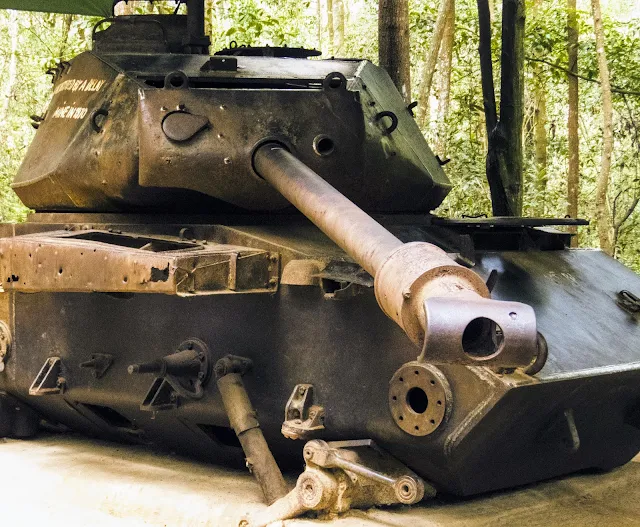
{"points": [[443, 307]]}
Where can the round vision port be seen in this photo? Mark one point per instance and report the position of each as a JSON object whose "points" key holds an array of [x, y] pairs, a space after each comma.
{"points": [[323, 145]]}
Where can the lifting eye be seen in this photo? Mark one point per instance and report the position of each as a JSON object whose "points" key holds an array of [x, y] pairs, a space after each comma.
{"points": [[334, 81], [176, 80]]}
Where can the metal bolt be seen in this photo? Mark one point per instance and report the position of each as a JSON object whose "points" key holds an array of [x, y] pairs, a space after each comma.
{"points": [[406, 294], [273, 258], [173, 396], [180, 107], [273, 281], [201, 375], [301, 390], [227, 160]]}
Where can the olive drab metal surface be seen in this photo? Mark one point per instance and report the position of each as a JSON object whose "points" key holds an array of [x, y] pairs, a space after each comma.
{"points": [[233, 256]]}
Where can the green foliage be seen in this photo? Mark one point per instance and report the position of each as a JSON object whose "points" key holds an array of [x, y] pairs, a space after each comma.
{"points": [[32, 43]]}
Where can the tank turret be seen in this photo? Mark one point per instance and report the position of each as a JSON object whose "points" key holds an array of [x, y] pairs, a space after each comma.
{"points": [[135, 125]]}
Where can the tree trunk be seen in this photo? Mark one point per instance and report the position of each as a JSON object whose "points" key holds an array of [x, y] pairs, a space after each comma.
{"points": [[393, 43], [573, 174], [495, 144], [603, 215], [541, 145], [12, 69], [339, 26], [540, 130], [330, 27], [512, 100], [208, 18], [429, 68], [444, 97], [319, 15], [67, 20]]}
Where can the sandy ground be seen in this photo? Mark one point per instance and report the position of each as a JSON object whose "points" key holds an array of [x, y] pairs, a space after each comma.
{"points": [[70, 481]]}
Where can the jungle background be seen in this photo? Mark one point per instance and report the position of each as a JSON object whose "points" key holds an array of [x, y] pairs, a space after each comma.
{"points": [[445, 74]]}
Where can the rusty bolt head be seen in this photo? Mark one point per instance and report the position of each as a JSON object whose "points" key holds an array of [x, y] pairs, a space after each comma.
{"points": [[301, 390], [173, 396], [273, 282], [406, 294], [274, 258], [180, 107], [201, 375]]}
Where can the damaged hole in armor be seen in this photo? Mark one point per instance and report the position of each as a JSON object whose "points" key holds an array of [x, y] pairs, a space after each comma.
{"points": [[159, 275], [329, 287], [482, 338], [417, 400]]}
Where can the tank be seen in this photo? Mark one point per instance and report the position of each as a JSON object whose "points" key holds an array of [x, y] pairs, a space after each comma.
{"points": [[234, 256]]}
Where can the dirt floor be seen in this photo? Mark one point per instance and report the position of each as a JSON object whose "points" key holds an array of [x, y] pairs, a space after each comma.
{"points": [[69, 481]]}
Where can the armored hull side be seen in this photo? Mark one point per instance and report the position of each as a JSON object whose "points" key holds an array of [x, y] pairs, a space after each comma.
{"points": [[321, 326]]}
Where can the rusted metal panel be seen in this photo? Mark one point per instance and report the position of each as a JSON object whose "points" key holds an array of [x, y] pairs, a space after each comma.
{"points": [[102, 261]]}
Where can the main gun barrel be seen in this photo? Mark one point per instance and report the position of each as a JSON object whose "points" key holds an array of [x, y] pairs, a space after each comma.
{"points": [[442, 306]]}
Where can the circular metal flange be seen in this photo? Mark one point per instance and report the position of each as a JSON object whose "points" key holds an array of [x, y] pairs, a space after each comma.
{"points": [[190, 384], [419, 398]]}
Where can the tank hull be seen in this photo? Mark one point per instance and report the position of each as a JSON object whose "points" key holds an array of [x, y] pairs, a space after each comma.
{"points": [[581, 411]]}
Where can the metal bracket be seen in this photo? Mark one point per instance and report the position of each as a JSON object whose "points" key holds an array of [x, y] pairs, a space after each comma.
{"points": [[629, 302], [302, 418], [49, 380], [220, 64], [161, 396], [343, 475], [99, 363]]}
